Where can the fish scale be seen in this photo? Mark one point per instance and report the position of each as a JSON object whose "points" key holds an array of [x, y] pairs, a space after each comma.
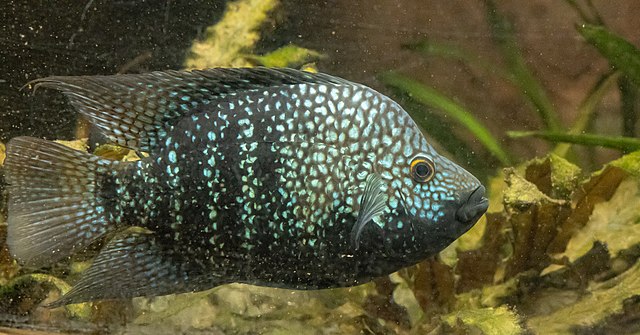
{"points": [[271, 177]]}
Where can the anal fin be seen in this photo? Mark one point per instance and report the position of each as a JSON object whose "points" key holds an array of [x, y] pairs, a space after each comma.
{"points": [[134, 265]]}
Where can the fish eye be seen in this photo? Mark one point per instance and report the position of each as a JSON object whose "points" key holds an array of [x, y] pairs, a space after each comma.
{"points": [[422, 169]]}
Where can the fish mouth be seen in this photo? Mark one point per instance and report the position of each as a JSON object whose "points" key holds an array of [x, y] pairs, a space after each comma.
{"points": [[474, 207]]}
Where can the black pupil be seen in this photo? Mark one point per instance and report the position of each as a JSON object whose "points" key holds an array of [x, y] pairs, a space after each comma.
{"points": [[422, 170]]}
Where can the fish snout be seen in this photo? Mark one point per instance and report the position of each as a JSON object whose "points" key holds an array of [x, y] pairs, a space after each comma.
{"points": [[475, 205]]}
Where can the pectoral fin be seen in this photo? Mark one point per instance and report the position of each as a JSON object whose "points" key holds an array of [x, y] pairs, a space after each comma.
{"points": [[372, 203]]}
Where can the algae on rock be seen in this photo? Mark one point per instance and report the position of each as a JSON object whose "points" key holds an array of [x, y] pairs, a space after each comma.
{"points": [[615, 222], [604, 299], [553, 251]]}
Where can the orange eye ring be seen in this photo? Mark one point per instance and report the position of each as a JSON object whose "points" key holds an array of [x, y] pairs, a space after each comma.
{"points": [[422, 169]]}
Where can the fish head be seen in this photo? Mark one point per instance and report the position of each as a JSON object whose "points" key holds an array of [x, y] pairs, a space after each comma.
{"points": [[432, 204], [436, 201], [431, 200]]}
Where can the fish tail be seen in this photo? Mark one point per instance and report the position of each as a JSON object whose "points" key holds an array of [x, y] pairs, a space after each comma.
{"points": [[56, 200]]}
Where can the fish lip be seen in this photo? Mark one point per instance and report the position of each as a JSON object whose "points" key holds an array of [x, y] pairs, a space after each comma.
{"points": [[473, 207]]}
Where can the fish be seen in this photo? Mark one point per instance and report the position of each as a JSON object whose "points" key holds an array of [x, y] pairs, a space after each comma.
{"points": [[265, 176]]}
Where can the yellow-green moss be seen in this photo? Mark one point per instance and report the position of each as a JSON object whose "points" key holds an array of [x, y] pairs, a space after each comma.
{"points": [[234, 35], [3, 153], [485, 321], [289, 55]]}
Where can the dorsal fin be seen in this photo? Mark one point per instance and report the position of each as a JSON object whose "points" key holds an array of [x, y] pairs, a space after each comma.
{"points": [[131, 109]]}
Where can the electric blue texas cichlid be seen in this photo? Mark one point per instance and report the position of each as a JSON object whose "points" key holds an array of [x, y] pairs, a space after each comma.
{"points": [[271, 177]]}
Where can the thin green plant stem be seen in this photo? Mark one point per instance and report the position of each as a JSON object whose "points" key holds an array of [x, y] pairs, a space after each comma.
{"points": [[628, 106], [621, 143], [587, 109]]}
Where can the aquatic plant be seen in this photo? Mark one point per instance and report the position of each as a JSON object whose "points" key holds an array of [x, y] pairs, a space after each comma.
{"points": [[230, 42], [622, 55], [624, 59], [627, 144], [234, 34]]}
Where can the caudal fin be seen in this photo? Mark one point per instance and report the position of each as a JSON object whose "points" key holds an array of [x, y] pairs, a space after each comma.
{"points": [[55, 205]]}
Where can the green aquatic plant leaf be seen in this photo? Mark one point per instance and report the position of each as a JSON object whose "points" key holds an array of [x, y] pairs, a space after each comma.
{"points": [[433, 285], [519, 235], [116, 152], [553, 176], [630, 163], [485, 321], [111, 151], [430, 97], [3, 192], [606, 211], [613, 142], [541, 224], [615, 223], [286, 56], [534, 218], [503, 35], [598, 188], [604, 299], [621, 54], [3, 153], [478, 267], [80, 144], [404, 296], [235, 34]]}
